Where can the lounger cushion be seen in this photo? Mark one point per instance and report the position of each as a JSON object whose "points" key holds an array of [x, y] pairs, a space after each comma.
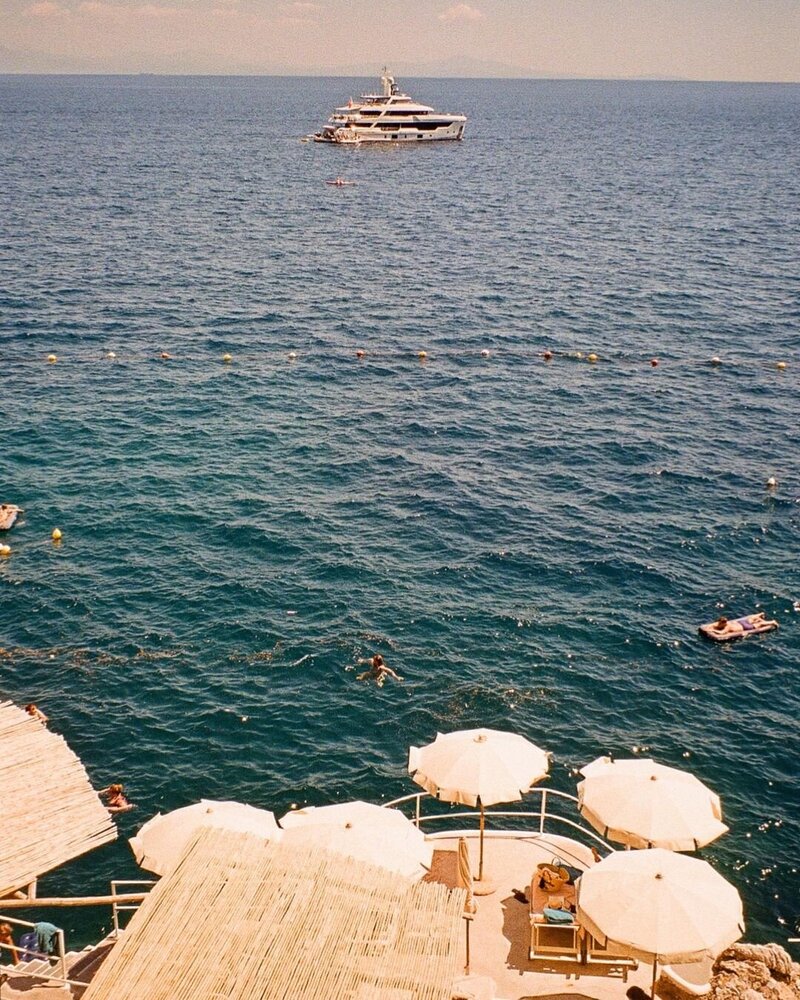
{"points": [[558, 916]]}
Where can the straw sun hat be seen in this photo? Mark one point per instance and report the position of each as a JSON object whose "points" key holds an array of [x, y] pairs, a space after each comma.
{"points": [[552, 876]]}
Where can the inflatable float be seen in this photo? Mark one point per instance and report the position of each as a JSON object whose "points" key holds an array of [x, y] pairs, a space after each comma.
{"points": [[725, 630], [8, 515]]}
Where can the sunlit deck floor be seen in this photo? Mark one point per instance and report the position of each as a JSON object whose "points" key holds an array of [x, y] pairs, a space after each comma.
{"points": [[500, 931]]}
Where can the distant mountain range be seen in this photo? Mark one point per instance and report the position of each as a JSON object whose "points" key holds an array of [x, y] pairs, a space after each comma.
{"points": [[190, 63]]}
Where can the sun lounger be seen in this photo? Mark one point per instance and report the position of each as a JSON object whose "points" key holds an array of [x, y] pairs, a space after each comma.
{"points": [[558, 942], [604, 953], [751, 625]]}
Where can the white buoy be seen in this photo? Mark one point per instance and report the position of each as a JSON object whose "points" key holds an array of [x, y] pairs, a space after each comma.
{"points": [[484, 353], [772, 482], [781, 365], [292, 356], [111, 355], [716, 361]]}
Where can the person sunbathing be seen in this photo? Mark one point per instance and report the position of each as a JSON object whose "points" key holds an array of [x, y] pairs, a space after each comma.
{"points": [[750, 623]]}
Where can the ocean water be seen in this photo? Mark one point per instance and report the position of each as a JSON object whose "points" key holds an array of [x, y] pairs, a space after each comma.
{"points": [[531, 544]]}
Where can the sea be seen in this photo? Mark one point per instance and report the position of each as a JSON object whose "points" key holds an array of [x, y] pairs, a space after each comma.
{"points": [[531, 543]]}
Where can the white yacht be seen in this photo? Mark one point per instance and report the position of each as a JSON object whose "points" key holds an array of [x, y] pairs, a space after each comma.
{"points": [[390, 116]]}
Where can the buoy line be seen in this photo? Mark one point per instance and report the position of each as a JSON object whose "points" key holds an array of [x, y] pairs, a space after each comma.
{"points": [[495, 353]]}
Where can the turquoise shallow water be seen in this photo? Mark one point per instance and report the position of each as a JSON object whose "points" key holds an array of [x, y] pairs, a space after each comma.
{"points": [[530, 543]]}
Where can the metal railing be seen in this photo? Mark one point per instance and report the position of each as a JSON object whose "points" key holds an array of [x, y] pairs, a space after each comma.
{"points": [[28, 954], [117, 908], [540, 816]]}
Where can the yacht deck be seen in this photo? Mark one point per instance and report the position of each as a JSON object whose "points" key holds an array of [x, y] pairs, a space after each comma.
{"points": [[500, 931]]}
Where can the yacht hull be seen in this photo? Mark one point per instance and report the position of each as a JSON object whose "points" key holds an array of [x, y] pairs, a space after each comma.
{"points": [[355, 137]]}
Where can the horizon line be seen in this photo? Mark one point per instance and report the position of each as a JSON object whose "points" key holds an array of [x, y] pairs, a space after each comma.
{"points": [[421, 76]]}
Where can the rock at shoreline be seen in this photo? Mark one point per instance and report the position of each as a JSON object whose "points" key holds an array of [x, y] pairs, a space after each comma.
{"points": [[755, 972]]}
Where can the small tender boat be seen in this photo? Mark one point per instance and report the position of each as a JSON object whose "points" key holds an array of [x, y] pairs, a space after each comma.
{"points": [[340, 182], [8, 515]]}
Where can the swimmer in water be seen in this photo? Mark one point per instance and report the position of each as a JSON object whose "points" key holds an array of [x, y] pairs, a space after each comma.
{"points": [[378, 671], [36, 713], [115, 799]]}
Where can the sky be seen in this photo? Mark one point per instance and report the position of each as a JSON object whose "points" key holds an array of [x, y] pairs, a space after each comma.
{"points": [[754, 40]]}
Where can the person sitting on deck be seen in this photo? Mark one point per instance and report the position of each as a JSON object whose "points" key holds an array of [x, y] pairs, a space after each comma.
{"points": [[8, 955], [378, 671], [115, 799]]}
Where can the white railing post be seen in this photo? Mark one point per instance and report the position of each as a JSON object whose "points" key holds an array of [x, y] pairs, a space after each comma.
{"points": [[419, 810], [542, 810], [114, 911], [62, 953]]}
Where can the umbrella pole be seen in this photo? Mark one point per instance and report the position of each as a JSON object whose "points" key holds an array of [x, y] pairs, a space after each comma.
{"points": [[655, 973], [480, 863], [481, 886]]}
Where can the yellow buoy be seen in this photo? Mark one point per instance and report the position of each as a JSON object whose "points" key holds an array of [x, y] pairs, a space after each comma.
{"points": [[5, 550], [592, 358], [56, 534], [227, 358], [422, 355], [781, 365], [52, 358]]}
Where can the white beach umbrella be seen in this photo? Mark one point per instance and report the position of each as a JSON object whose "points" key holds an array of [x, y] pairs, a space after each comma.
{"points": [[659, 906], [643, 804], [364, 831], [160, 842], [478, 767]]}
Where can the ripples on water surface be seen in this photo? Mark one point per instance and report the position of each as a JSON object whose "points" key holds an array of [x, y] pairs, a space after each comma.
{"points": [[532, 544]]}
